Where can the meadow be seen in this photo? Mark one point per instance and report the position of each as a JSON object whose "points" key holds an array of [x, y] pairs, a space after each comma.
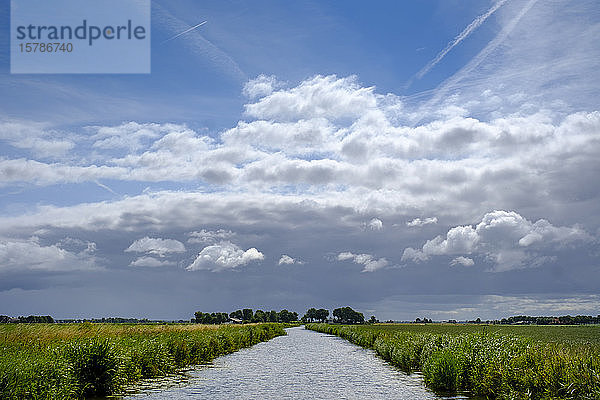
{"points": [[492, 362], [70, 361]]}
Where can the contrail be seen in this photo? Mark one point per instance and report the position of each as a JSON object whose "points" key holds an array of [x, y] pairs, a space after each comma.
{"points": [[461, 36], [186, 31], [476, 61], [105, 187]]}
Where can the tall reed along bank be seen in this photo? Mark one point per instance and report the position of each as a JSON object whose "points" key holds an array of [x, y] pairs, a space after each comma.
{"points": [[508, 362], [70, 361]]}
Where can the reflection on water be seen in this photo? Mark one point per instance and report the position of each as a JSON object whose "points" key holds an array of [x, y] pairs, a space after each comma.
{"points": [[302, 365]]}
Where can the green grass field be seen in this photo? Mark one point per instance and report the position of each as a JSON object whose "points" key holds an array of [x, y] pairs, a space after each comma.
{"points": [[568, 334], [503, 362], [67, 361]]}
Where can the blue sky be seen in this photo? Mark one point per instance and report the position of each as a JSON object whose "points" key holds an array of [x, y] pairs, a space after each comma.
{"points": [[410, 159]]}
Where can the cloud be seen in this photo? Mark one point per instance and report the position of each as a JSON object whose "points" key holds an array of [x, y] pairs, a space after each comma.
{"points": [[77, 245], [224, 256], [354, 148], [318, 97], [151, 262], [261, 86], [30, 255], [207, 236], [422, 222], [370, 263], [156, 246], [287, 260], [131, 136], [375, 224], [505, 238], [464, 261], [36, 138], [414, 255]]}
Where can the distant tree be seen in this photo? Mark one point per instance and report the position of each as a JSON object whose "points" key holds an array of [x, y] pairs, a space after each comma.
{"points": [[32, 319], [313, 315], [347, 315], [212, 318], [310, 316], [237, 314], [287, 316], [273, 316], [260, 316], [322, 314], [247, 314], [4, 319], [373, 320]]}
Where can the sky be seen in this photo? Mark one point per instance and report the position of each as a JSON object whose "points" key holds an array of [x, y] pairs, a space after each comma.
{"points": [[409, 159]]}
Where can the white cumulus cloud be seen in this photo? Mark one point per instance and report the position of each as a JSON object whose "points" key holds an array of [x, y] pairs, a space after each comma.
{"points": [[375, 224], [30, 255], [156, 246], [422, 222], [464, 261], [261, 86], [224, 256], [505, 238], [152, 262], [208, 236], [286, 260], [369, 262]]}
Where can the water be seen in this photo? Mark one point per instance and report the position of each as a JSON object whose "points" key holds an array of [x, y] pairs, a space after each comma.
{"points": [[302, 365]]}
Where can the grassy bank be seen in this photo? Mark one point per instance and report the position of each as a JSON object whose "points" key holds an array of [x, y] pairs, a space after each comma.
{"points": [[491, 362], [65, 361]]}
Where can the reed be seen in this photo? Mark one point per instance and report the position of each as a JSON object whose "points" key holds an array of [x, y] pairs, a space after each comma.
{"points": [[492, 365], [70, 361]]}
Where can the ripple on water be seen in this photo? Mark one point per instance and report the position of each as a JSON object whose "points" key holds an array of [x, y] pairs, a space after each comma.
{"points": [[302, 365]]}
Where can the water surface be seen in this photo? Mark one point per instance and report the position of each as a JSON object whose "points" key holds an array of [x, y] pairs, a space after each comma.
{"points": [[302, 365]]}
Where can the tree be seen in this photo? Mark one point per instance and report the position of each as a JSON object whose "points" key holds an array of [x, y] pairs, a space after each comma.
{"points": [[260, 316], [287, 316], [346, 315], [373, 320], [37, 319], [310, 316], [273, 316], [322, 314], [237, 314], [247, 314], [212, 318]]}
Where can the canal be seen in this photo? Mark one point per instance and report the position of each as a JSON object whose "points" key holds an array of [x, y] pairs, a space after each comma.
{"points": [[302, 365]]}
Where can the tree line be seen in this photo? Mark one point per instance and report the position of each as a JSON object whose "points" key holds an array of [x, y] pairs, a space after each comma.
{"points": [[246, 315], [342, 315], [32, 319], [562, 320]]}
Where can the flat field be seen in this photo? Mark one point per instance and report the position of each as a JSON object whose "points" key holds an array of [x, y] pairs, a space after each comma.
{"points": [[66, 361], [490, 361], [588, 335]]}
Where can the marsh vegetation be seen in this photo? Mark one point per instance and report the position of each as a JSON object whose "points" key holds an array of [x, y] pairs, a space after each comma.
{"points": [[66, 361], [505, 362]]}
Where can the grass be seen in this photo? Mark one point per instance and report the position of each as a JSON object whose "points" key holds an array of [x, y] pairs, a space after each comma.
{"points": [[494, 362], [70, 361]]}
